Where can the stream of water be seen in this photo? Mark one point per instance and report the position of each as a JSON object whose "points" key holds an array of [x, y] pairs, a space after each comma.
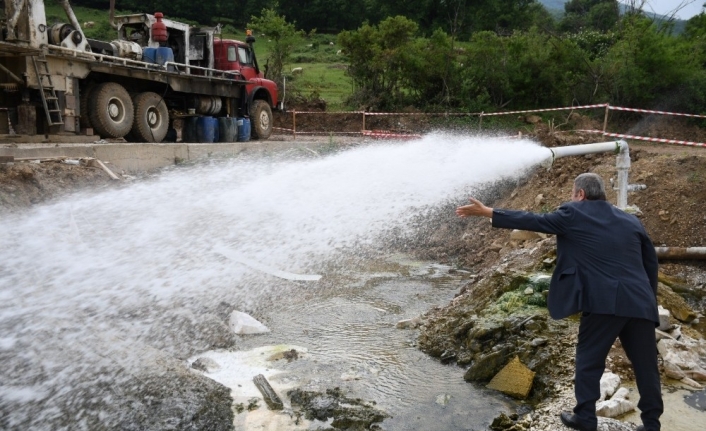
{"points": [[90, 285]]}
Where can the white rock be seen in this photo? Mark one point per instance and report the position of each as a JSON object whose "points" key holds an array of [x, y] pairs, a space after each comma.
{"points": [[683, 359], [609, 384], [673, 371], [664, 324], [616, 406], [697, 374], [675, 332], [409, 323], [529, 291], [244, 324], [659, 335], [678, 353], [523, 235], [538, 342], [693, 384], [443, 399]]}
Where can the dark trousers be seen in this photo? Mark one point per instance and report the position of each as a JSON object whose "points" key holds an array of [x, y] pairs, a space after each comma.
{"points": [[597, 333]]}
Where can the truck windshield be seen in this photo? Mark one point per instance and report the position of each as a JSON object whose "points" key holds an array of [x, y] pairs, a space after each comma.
{"points": [[244, 55], [231, 53]]}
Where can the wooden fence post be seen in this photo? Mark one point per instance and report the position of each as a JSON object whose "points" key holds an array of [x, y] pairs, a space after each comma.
{"points": [[605, 119], [363, 120], [294, 124]]}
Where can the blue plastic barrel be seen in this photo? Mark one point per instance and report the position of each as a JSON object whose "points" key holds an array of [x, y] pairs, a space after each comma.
{"points": [[207, 129], [163, 55], [189, 132], [243, 129], [149, 55], [227, 129]]}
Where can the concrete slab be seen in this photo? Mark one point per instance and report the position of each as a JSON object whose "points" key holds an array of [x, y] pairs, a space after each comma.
{"points": [[144, 157]]}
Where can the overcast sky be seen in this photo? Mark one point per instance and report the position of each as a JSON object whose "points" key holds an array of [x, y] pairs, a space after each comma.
{"points": [[664, 7]]}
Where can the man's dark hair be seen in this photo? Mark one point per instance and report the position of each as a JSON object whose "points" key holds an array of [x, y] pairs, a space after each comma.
{"points": [[592, 186]]}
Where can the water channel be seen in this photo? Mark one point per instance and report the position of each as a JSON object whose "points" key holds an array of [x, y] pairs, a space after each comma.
{"points": [[90, 286]]}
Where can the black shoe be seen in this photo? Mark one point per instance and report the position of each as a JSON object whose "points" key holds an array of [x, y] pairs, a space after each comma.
{"points": [[572, 421], [641, 428]]}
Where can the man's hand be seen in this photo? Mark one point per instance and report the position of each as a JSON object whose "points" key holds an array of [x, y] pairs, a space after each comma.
{"points": [[476, 208]]}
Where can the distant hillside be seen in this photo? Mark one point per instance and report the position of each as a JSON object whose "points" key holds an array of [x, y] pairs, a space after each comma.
{"points": [[556, 8], [553, 5]]}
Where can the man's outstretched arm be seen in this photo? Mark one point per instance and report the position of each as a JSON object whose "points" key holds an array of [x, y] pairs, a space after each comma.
{"points": [[476, 208], [552, 223]]}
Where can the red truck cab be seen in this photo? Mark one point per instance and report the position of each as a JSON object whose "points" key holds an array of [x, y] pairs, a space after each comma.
{"points": [[238, 56]]}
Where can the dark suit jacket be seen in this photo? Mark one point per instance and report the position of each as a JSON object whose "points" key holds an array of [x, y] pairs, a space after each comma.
{"points": [[606, 263]]}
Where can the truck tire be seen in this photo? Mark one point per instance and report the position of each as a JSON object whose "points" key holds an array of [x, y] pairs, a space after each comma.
{"points": [[110, 110], [151, 121], [260, 119]]}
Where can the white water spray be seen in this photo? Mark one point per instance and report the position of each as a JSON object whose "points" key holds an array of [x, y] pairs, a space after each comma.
{"points": [[88, 272]]}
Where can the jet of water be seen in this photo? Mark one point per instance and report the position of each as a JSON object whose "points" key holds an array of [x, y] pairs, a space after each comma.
{"points": [[99, 270]]}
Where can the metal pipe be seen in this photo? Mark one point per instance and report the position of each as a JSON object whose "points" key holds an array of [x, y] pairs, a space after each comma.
{"points": [[111, 17], [12, 75], [580, 150], [72, 17], [622, 163], [12, 20], [681, 253]]}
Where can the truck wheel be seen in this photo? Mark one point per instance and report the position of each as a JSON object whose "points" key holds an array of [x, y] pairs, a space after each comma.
{"points": [[111, 110], [151, 118], [261, 119]]}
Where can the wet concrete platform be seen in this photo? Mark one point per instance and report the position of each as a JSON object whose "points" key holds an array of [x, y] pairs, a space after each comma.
{"points": [[142, 157]]}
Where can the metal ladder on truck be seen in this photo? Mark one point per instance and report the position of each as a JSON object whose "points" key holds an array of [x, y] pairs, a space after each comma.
{"points": [[46, 89]]}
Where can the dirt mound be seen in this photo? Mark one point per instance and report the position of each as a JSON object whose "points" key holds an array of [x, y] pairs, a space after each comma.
{"points": [[23, 184]]}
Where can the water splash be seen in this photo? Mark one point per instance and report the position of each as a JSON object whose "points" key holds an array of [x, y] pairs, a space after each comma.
{"points": [[102, 279]]}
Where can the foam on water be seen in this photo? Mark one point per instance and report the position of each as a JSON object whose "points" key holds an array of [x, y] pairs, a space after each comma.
{"points": [[68, 270]]}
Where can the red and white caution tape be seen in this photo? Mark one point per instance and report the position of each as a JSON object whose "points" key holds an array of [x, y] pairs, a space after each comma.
{"points": [[452, 114], [568, 108], [427, 114], [327, 112], [648, 111], [645, 138], [486, 114]]}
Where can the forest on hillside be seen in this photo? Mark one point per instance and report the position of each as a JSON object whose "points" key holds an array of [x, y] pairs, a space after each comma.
{"points": [[478, 55]]}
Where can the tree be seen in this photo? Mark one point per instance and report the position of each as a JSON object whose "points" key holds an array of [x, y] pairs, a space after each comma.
{"points": [[284, 38], [601, 15], [328, 16], [380, 58], [647, 67]]}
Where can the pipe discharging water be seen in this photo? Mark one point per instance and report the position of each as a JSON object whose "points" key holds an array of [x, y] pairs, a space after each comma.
{"points": [[101, 292]]}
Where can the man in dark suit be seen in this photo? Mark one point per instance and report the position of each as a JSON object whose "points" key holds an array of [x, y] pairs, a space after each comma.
{"points": [[607, 270]]}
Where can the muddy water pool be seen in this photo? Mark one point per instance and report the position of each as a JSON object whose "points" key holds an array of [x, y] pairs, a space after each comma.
{"points": [[347, 337]]}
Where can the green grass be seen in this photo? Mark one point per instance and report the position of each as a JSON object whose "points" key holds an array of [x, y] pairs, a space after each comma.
{"points": [[327, 81], [323, 70]]}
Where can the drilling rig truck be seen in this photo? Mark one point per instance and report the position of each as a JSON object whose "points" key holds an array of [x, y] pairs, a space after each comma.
{"points": [[157, 79]]}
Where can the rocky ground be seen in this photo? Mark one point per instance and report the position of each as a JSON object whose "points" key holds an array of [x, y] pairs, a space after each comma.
{"points": [[494, 318]]}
